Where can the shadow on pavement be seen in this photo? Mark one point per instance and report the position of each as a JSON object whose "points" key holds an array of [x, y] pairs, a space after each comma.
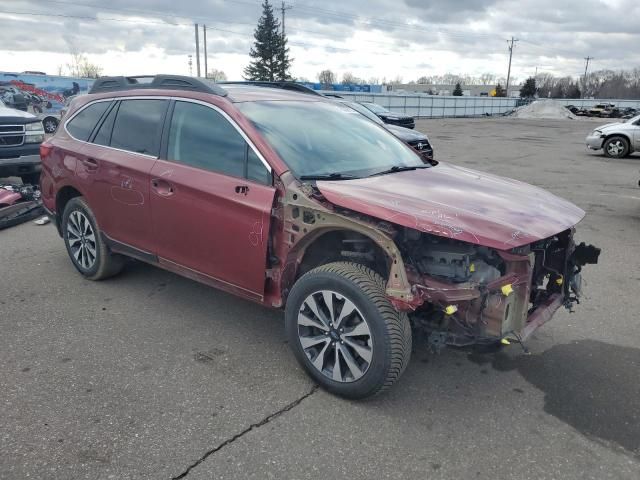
{"points": [[592, 386]]}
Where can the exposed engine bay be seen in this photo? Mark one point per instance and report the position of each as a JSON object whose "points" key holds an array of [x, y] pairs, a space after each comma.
{"points": [[474, 294]]}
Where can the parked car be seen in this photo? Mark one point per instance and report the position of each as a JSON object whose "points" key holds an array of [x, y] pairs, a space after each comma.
{"points": [[389, 117], [617, 140], [417, 140], [20, 136], [603, 110], [289, 200]]}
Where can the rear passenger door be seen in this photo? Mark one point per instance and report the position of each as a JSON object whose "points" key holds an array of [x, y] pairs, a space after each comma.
{"points": [[121, 152], [211, 199]]}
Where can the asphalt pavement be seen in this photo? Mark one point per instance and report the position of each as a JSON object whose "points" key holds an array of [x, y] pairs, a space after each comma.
{"points": [[152, 376]]}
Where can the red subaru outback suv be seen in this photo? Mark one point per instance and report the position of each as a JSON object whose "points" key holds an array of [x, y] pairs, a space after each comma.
{"points": [[297, 202]]}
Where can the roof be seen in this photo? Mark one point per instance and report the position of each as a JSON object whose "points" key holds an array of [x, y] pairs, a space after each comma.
{"points": [[250, 93], [234, 91]]}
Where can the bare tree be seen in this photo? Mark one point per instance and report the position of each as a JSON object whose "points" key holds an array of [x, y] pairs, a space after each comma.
{"points": [[216, 75], [80, 66], [326, 78], [487, 79], [349, 78]]}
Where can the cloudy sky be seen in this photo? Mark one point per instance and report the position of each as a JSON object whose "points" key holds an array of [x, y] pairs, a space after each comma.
{"points": [[370, 38]]}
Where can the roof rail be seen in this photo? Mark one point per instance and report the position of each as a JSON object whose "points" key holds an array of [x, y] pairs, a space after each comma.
{"points": [[170, 82], [284, 85]]}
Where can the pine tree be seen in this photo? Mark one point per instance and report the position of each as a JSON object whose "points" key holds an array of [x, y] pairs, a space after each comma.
{"points": [[457, 92], [500, 91], [528, 90], [270, 53]]}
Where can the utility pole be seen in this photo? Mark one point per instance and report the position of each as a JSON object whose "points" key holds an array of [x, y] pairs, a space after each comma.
{"points": [[584, 79], [204, 44], [512, 42], [586, 66], [197, 51], [283, 9], [191, 65]]}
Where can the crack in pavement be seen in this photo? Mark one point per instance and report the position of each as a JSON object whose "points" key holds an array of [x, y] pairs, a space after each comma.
{"points": [[262, 422]]}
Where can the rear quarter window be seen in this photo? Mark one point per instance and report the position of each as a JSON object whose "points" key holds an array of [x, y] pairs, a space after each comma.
{"points": [[81, 126]]}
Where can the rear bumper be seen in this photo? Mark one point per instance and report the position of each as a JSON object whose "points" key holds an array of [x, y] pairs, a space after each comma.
{"points": [[29, 162]]}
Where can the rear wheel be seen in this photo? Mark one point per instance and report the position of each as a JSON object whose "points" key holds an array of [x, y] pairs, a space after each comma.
{"points": [[616, 147], [88, 252], [344, 331]]}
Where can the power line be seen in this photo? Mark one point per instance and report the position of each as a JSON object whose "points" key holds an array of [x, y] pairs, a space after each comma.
{"points": [[175, 24], [371, 21]]}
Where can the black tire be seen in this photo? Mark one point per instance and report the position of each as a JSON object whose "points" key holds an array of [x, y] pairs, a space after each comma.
{"points": [[50, 124], [616, 147], [105, 263], [30, 179], [390, 330]]}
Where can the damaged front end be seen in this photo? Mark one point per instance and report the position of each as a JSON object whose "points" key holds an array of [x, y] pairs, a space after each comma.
{"points": [[465, 294]]}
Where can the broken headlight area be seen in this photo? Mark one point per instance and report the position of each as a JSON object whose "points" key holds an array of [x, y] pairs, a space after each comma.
{"points": [[464, 294]]}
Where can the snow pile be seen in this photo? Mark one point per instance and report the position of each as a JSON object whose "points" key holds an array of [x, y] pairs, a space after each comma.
{"points": [[543, 109]]}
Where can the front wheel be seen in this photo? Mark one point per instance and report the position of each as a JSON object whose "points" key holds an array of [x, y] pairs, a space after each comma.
{"points": [[344, 331], [616, 147], [87, 250]]}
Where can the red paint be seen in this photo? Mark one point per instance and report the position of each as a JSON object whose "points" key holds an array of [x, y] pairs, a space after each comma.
{"points": [[8, 197], [458, 203]]}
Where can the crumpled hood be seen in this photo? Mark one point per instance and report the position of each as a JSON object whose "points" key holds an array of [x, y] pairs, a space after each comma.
{"points": [[459, 203]]}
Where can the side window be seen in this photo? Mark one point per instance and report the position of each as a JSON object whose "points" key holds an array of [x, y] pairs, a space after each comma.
{"points": [[103, 137], [137, 126], [256, 171], [82, 125], [202, 138]]}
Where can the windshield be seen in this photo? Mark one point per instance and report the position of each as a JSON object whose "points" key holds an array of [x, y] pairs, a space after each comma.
{"points": [[375, 108], [322, 138], [364, 111]]}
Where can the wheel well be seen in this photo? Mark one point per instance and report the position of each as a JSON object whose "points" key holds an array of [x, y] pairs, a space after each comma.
{"points": [[617, 135], [62, 198], [344, 245]]}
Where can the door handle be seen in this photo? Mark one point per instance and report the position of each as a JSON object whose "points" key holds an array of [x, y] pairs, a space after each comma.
{"points": [[90, 163], [162, 187], [242, 189]]}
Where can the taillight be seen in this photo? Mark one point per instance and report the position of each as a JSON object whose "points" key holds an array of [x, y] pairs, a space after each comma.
{"points": [[45, 150]]}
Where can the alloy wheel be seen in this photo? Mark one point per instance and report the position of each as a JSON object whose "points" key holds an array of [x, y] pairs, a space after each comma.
{"points": [[50, 126], [82, 239], [615, 148], [335, 336]]}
